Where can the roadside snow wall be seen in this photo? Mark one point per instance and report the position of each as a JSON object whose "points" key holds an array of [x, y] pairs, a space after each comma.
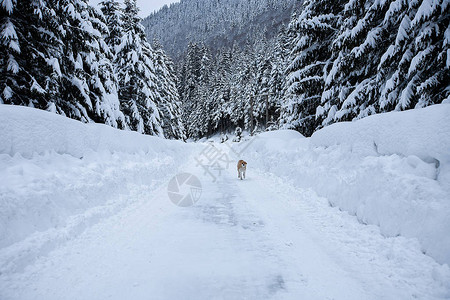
{"points": [[58, 176], [390, 170]]}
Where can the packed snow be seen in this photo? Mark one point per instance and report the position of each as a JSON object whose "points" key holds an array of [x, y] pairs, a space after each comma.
{"points": [[357, 211]]}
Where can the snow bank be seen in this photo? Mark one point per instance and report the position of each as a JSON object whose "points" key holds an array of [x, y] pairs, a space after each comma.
{"points": [[421, 132], [27, 131], [58, 176], [390, 170]]}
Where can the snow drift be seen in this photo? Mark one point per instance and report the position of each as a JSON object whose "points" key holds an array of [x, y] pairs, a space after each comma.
{"points": [[421, 132], [58, 176], [27, 131], [390, 170]]}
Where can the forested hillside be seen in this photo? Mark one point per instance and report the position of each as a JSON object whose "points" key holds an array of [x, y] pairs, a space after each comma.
{"points": [[239, 66], [231, 59], [217, 23], [230, 64]]}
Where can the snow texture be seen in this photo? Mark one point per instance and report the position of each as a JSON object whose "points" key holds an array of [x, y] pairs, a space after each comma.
{"points": [[390, 170], [58, 172], [38, 132], [85, 213]]}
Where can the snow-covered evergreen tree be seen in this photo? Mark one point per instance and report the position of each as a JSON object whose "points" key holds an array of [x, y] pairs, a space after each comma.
{"points": [[30, 47], [416, 64], [113, 18], [187, 87], [169, 102], [243, 86], [201, 116], [136, 71], [279, 63], [55, 58], [221, 92], [315, 28], [429, 68], [380, 56], [191, 73], [352, 84], [87, 92]]}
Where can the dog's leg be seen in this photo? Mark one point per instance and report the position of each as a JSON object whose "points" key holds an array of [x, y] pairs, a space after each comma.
{"points": [[243, 173], [239, 175]]}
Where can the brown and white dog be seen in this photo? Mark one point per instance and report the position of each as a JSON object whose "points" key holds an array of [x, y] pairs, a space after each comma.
{"points": [[241, 167]]}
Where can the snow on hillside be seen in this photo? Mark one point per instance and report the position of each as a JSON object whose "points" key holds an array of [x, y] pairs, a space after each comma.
{"points": [[78, 202]]}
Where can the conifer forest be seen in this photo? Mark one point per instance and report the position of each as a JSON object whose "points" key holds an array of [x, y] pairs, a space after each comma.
{"points": [[203, 67]]}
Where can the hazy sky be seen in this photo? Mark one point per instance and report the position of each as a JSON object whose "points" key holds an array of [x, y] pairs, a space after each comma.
{"points": [[146, 6]]}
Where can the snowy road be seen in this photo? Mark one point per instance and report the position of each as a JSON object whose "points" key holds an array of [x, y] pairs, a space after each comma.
{"points": [[258, 238]]}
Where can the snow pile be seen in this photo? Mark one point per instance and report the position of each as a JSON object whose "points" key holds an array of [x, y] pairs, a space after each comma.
{"points": [[26, 131], [58, 176], [423, 133], [390, 170]]}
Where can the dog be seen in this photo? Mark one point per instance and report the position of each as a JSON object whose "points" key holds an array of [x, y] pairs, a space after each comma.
{"points": [[241, 167]]}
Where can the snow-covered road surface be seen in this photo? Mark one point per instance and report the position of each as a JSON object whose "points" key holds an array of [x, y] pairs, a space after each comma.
{"points": [[259, 238]]}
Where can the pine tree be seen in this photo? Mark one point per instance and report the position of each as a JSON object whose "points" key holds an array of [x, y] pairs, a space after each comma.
{"points": [[429, 67], [352, 85], [279, 63], [238, 92], [87, 90], [262, 77], [202, 120], [135, 61], [195, 96], [315, 28], [383, 55], [244, 89], [192, 72], [29, 69], [169, 104], [113, 19], [416, 64], [221, 93], [55, 59]]}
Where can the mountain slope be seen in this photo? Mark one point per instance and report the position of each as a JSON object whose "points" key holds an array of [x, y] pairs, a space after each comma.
{"points": [[216, 23]]}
